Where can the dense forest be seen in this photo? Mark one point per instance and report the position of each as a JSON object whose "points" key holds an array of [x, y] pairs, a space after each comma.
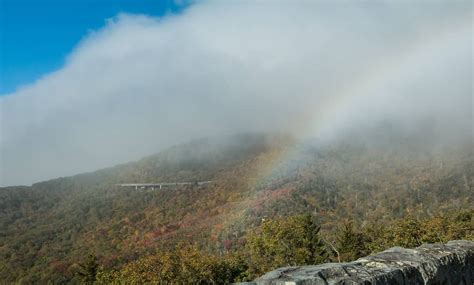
{"points": [[273, 201]]}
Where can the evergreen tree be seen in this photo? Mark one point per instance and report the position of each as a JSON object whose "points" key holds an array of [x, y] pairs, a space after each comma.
{"points": [[286, 242], [88, 270], [351, 243]]}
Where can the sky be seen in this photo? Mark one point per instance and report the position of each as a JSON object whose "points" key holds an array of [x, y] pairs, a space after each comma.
{"points": [[37, 35], [130, 79]]}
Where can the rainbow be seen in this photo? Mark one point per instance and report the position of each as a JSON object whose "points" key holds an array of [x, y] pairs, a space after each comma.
{"points": [[397, 68]]}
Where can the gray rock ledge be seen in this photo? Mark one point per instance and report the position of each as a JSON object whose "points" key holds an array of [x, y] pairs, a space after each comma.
{"points": [[451, 263]]}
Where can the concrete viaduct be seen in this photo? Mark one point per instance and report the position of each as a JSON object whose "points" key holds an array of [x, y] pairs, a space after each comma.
{"points": [[153, 186]]}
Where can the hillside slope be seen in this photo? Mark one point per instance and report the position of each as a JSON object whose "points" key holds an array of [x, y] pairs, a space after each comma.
{"points": [[46, 229]]}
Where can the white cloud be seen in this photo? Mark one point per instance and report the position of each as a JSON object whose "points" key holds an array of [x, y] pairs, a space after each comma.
{"points": [[140, 83]]}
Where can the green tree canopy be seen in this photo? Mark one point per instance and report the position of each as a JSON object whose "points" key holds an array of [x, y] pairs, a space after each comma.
{"points": [[286, 242]]}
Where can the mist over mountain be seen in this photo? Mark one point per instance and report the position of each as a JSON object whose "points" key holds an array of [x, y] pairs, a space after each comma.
{"points": [[223, 140], [141, 84]]}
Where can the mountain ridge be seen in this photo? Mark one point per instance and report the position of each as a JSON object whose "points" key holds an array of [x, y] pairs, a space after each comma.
{"points": [[49, 230]]}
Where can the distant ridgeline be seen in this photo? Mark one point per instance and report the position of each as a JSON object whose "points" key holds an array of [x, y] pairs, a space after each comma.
{"points": [[451, 263]]}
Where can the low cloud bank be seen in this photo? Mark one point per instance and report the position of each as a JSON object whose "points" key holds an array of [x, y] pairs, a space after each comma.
{"points": [[141, 84]]}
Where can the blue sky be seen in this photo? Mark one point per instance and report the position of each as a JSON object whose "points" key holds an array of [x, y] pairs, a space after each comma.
{"points": [[37, 35]]}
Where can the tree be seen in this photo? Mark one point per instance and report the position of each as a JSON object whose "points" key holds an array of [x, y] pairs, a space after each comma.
{"points": [[407, 232], [88, 270], [183, 264], [351, 243], [285, 242]]}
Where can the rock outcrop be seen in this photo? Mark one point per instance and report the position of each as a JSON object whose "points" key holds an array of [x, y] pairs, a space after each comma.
{"points": [[451, 263]]}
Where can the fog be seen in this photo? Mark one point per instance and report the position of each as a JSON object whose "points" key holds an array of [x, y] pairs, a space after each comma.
{"points": [[314, 69]]}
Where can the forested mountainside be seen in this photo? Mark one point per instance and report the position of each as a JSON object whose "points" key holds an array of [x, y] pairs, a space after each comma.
{"points": [[49, 229]]}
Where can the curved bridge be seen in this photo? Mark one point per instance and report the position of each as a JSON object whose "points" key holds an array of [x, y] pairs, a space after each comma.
{"points": [[159, 185]]}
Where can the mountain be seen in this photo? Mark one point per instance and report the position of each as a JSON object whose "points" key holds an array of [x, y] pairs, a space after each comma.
{"points": [[47, 229]]}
